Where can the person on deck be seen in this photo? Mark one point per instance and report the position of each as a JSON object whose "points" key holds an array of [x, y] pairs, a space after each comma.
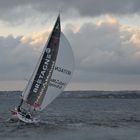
{"points": [[28, 116], [18, 109]]}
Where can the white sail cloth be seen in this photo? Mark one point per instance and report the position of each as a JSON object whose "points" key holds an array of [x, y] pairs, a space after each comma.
{"points": [[61, 75]]}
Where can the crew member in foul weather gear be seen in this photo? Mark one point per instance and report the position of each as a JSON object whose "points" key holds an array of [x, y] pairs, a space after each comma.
{"points": [[18, 109], [28, 116]]}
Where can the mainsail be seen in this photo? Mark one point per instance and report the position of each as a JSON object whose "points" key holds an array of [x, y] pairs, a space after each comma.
{"points": [[44, 72], [53, 71]]}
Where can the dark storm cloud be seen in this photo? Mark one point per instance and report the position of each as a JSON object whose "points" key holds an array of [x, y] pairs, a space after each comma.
{"points": [[19, 9]]}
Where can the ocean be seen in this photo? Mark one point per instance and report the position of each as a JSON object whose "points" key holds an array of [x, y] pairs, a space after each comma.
{"points": [[79, 115]]}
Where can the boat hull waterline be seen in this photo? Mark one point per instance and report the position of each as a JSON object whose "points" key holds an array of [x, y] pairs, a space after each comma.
{"points": [[17, 116]]}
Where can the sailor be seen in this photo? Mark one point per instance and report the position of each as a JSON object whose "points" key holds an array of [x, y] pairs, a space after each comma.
{"points": [[18, 109]]}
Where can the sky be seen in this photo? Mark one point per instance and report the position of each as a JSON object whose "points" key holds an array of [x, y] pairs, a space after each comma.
{"points": [[104, 35]]}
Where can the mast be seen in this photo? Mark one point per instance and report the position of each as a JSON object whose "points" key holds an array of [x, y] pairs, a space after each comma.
{"points": [[44, 69], [20, 104]]}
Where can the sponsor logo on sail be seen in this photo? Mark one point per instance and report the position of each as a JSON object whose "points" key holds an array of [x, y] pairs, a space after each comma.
{"points": [[65, 71], [43, 71]]}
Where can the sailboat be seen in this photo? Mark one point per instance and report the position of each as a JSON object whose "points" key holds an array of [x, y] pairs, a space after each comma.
{"points": [[51, 75]]}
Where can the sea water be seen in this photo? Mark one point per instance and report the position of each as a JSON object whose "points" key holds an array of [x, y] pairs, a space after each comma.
{"points": [[71, 117]]}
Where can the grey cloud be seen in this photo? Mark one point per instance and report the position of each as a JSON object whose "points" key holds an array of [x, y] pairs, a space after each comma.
{"points": [[101, 49], [103, 53], [16, 59], [20, 9], [98, 77]]}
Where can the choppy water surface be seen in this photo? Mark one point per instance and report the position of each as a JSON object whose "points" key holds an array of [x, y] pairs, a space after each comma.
{"points": [[75, 119]]}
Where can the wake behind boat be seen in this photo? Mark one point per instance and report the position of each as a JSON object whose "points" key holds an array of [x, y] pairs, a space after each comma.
{"points": [[51, 75]]}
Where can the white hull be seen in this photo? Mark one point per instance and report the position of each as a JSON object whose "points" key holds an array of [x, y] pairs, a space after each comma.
{"points": [[17, 116]]}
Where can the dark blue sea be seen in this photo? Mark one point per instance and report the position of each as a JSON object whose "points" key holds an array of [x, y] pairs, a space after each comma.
{"points": [[81, 115]]}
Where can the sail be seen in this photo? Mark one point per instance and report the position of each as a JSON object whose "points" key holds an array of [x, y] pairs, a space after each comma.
{"points": [[38, 85], [62, 73]]}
